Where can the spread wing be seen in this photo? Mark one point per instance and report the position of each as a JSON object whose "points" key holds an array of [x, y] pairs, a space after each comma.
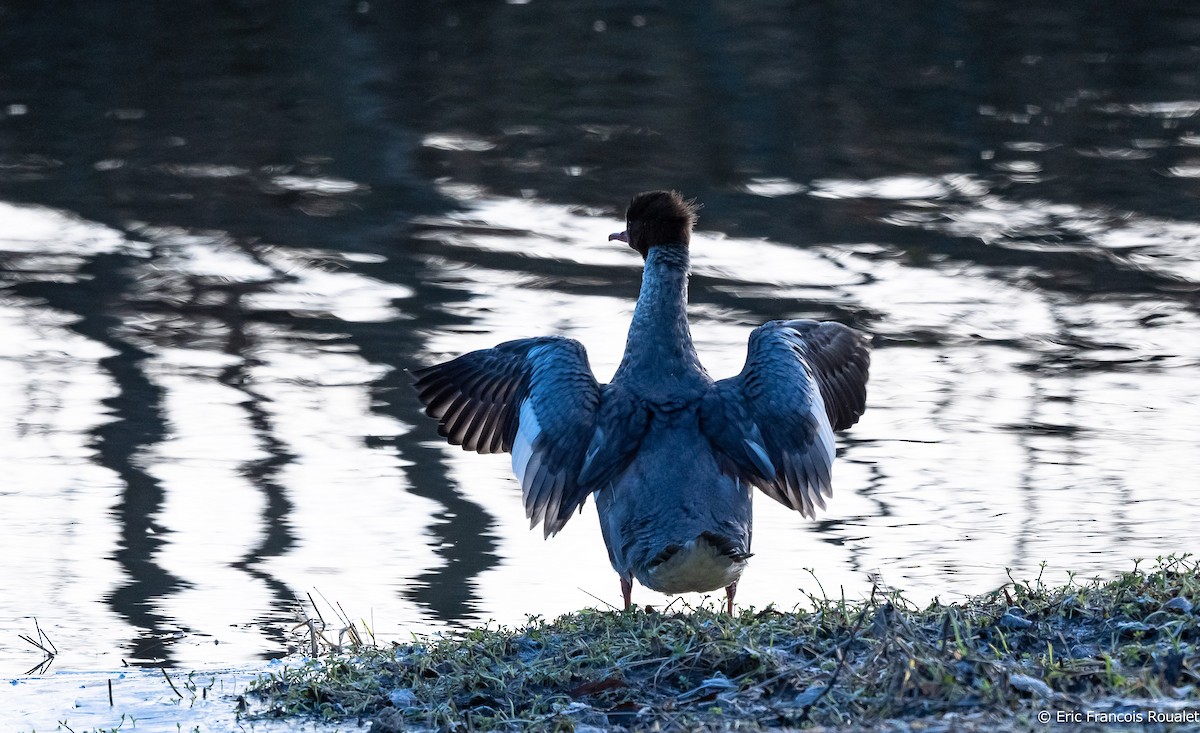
{"points": [[536, 399], [772, 425]]}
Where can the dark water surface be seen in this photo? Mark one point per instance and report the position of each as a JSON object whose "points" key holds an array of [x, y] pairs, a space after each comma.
{"points": [[227, 229]]}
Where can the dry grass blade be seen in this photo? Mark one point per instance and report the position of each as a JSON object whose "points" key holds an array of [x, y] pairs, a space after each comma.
{"points": [[598, 598], [43, 644], [30, 640], [43, 635], [167, 677]]}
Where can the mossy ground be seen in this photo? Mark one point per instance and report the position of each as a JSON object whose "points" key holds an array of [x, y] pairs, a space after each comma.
{"points": [[1123, 649]]}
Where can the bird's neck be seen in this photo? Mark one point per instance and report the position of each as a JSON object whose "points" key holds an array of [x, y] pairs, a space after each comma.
{"points": [[659, 348]]}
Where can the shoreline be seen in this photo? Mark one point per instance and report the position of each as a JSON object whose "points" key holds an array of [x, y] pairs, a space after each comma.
{"points": [[1089, 654]]}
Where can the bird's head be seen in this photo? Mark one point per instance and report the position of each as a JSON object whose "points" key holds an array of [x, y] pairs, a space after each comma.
{"points": [[657, 218]]}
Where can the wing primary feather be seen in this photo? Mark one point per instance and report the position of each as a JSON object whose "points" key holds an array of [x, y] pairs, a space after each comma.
{"points": [[438, 397], [797, 482], [501, 420], [550, 518], [464, 420], [480, 423], [787, 482], [486, 439], [535, 504], [812, 483]]}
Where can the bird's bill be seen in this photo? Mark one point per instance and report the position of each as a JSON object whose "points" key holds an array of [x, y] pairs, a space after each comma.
{"points": [[619, 236]]}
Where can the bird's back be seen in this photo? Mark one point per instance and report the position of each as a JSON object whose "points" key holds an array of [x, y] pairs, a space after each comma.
{"points": [[672, 519]]}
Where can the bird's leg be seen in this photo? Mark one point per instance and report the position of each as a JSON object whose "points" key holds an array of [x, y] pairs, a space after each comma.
{"points": [[730, 590], [627, 592]]}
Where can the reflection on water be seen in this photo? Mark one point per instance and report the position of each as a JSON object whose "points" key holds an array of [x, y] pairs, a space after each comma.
{"points": [[207, 314]]}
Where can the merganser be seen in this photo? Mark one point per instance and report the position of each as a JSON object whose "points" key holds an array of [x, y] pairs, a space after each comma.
{"points": [[670, 455]]}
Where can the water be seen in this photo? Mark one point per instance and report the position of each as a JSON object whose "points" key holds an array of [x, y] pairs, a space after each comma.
{"points": [[144, 699], [226, 232]]}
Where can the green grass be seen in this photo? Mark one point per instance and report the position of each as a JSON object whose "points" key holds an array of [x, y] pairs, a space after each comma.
{"points": [[994, 660]]}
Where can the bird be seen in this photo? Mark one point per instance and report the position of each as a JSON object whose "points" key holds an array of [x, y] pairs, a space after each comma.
{"points": [[671, 456]]}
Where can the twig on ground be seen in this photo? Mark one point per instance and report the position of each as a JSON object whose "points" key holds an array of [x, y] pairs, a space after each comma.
{"points": [[598, 598], [167, 677]]}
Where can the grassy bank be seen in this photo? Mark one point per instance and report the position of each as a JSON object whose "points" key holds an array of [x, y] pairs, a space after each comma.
{"points": [[1089, 654]]}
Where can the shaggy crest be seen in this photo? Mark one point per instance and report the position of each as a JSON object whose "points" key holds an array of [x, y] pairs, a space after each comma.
{"points": [[658, 218]]}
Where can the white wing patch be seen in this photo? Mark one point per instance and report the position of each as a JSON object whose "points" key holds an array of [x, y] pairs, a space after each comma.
{"points": [[528, 430], [824, 446]]}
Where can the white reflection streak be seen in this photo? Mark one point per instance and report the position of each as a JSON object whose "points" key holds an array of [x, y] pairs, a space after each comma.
{"points": [[212, 512], [57, 537], [317, 287], [967, 208], [361, 536]]}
